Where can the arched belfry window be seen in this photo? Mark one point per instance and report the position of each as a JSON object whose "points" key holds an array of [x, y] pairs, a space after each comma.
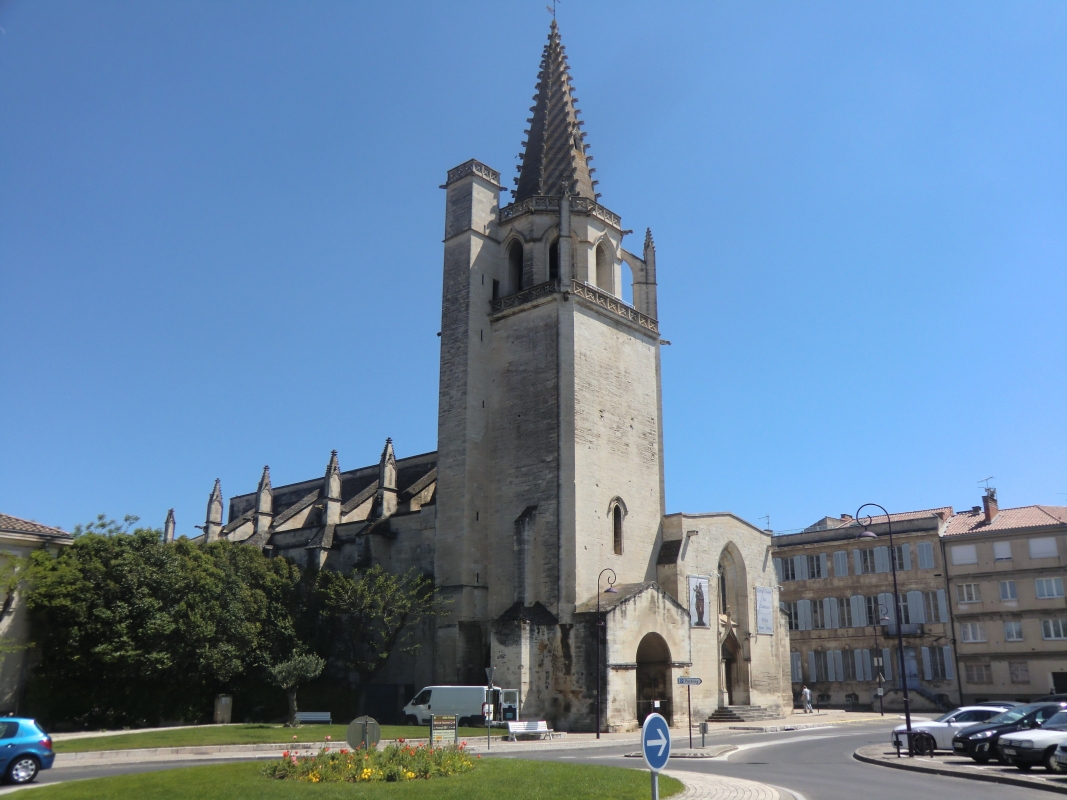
{"points": [[515, 258], [553, 261], [604, 269], [617, 515]]}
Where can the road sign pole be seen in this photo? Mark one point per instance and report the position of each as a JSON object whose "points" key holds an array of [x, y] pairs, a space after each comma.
{"points": [[655, 786], [689, 705]]}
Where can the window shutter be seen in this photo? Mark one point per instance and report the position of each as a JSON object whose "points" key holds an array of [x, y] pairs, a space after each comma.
{"points": [[942, 606], [804, 614], [797, 676], [928, 671], [835, 614], [857, 562], [800, 566], [926, 555], [831, 675], [812, 675], [840, 564], [822, 566], [866, 665], [839, 666], [950, 662], [915, 607], [778, 568], [887, 664], [881, 559], [859, 610], [906, 552]]}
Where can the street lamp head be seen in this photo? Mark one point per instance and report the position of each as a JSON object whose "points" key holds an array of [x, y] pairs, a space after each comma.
{"points": [[866, 533], [611, 590]]}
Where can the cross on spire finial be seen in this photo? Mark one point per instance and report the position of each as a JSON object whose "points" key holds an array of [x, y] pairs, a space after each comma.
{"points": [[552, 9]]}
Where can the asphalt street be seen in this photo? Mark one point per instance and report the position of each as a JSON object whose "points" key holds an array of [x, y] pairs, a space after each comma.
{"points": [[812, 764]]}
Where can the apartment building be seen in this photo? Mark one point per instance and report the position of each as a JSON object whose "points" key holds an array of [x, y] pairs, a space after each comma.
{"points": [[837, 595], [1006, 569]]}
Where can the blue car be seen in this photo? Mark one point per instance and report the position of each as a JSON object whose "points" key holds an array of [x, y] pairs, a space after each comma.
{"points": [[25, 749]]}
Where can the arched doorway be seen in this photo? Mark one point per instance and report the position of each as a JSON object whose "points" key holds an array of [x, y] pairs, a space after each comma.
{"points": [[653, 677], [731, 668]]}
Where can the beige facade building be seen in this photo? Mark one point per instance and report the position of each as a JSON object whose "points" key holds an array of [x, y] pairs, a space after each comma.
{"points": [[18, 539], [837, 596], [1007, 569], [549, 470]]}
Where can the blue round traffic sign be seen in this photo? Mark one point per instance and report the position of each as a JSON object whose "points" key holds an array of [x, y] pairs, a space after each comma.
{"points": [[655, 742]]}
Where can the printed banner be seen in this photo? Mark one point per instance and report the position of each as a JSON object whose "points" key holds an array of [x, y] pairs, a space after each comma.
{"points": [[764, 610], [699, 602]]}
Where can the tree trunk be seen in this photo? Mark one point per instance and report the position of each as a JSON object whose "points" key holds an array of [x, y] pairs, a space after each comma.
{"points": [[290, 695], [361, 697]]}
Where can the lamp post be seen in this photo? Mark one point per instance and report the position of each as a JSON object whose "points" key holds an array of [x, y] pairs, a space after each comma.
{"points": [[600, 624], [883, 616], [867, 534]]}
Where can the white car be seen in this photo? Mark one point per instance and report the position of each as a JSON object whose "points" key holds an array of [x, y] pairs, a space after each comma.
{"points": [[947, 725], [1024, 749]]}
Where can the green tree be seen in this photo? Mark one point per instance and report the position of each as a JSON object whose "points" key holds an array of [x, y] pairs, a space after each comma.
{"points": [[12, 574], [133, 630], [362, 619], [291, 674]]}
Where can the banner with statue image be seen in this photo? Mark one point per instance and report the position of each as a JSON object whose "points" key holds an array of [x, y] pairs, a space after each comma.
{"points": [[699, 601]]}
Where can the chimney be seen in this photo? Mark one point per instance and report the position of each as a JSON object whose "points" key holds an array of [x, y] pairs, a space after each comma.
{"points": [[846, 517], [989, 502]]}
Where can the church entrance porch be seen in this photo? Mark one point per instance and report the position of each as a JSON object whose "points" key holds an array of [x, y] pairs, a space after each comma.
{"points": [[734, 674], [654, 682]]}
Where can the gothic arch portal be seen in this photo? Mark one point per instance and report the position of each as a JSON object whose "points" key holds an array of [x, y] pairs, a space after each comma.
{"points": [[653, 677], [732, 599]]}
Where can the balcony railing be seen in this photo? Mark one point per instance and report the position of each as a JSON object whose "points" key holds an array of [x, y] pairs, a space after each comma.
{"points": [[525, 296]]}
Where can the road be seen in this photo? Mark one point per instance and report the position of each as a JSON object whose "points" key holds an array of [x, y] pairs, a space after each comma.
{"points": [[812, 764]]}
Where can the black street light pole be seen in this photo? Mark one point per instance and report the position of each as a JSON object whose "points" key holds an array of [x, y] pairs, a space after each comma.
{"points": [[883, 616], [867, 534], [600, 624]]}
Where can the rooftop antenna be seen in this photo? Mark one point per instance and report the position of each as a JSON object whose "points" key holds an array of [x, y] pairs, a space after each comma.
{"points": [[767, 526], [987, 480]]}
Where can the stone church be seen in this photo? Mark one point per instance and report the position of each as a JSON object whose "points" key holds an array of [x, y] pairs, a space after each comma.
{"points": [[542, 512]]}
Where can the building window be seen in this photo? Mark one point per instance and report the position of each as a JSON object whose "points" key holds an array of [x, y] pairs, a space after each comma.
{"points": [[1042, 548], [789, 570], [972, 632], [553, 261], [604, 271], [818, 618], [1013, 630], [792, 616], [1002, 551], [1020, 671], [898, 556], [849, 665], [820, 665], [1048, 587], [1007, 590], [873, 615], [867, 561], [902, 606], [932, 607], [968, 593], [964, 554], [815, 567], [978, 673], [926, 555], [616, 528], [937, 663], [1054, 628], [515, 268], [844, 612]]}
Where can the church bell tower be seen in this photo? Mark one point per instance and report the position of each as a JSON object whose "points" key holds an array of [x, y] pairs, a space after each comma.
{"points": [[550, 445]]}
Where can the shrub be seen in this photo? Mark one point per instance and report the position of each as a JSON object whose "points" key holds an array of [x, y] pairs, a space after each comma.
{"points": [[397, 762]]}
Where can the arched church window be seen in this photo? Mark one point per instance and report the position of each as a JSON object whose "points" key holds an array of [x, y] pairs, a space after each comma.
{"points": [[553, 261], [515, 267], [604, 269], [616, 528], [722, 589]]}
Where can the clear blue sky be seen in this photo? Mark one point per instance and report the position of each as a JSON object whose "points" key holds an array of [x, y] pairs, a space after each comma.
{"points": [[220, 231]]}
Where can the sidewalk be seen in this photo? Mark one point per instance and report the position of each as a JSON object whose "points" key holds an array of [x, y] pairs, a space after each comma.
{"points": [[699, 786], [960, 767]]}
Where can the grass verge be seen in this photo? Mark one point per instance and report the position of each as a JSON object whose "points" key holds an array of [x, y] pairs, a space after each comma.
{"points": [[494, 778], [243, 734]]}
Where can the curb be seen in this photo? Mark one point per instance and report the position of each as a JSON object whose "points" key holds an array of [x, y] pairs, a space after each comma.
{"points": [[991, 778]]}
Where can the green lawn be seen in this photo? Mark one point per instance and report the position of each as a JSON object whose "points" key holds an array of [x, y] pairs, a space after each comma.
{"points": [[493, 779], [243, 734]]}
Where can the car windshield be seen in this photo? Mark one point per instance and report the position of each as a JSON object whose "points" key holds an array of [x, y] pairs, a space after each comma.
{"points": [[1011, 715], [948, 716], [1057, 722]]}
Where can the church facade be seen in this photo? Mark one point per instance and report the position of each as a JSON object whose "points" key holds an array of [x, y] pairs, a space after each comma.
{"points": [[541, 515]]}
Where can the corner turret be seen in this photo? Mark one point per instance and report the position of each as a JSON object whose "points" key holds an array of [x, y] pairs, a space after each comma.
{"points": [[213, 523], [168, 527]]}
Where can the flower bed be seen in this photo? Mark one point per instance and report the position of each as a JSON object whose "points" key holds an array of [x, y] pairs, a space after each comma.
{"points": [[397, 762]]}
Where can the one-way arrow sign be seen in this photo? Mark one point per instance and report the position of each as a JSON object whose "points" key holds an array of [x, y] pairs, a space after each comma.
{"points": [[655, 742]]}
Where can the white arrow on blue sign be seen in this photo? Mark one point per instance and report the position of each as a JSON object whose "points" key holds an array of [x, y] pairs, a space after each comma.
{"points": [[655, 742]]}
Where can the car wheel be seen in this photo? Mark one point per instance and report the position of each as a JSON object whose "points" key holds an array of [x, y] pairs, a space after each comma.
{"points": [[23, 769], [464, 722], [1050, 761], [411, 719], [1023, 767], [925, 745]]}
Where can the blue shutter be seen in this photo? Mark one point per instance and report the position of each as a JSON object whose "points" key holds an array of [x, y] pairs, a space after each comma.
{"points": [[835, 616], [916, 608], [950, 663], [857, 562], [778, 568], [926, 555], [840, 564], [804, 614], [800, 566], [812, 675], [906, 552], [830, 674], [866, 665], [822, 566], [859, 610], [839, 666], [942, 606], [881, 559], [928, 670]]}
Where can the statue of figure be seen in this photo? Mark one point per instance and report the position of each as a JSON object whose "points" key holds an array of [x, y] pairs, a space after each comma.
{"points": [[699, 603]]}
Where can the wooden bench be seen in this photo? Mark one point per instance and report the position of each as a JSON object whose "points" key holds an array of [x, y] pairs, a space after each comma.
{"points": [[314, 716], [529, 728]]}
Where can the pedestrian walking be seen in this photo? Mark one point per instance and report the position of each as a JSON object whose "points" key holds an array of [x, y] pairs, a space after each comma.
{"points": [[805, 695]]}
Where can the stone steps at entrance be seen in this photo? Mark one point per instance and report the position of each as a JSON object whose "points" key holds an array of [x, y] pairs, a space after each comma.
{"points": [[742, 714]]}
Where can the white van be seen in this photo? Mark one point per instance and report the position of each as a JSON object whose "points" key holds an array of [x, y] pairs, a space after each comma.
{"points": [[463, 701]]}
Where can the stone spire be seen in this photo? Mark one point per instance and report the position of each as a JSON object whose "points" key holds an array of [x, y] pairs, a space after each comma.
{"points": [[264, 503], [213, 524], [387, 481], [331, 492], [168, 527], [554, 160]]}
